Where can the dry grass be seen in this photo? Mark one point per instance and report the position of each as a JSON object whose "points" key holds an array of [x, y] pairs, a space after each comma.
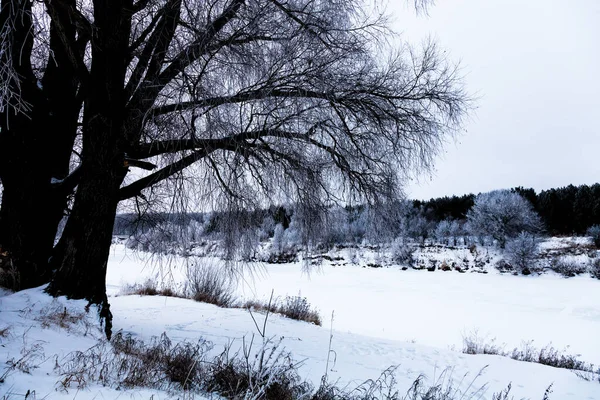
{"points": [[255, 305], [149, 288], [547, 355], [262, 371], [293, 307], [57, 315]]}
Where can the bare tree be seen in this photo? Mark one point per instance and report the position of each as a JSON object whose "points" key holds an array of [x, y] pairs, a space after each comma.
{"points": [[237, 103]]}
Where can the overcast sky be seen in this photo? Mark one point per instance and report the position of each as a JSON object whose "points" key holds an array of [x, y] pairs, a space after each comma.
{"points": [[534, 65]]}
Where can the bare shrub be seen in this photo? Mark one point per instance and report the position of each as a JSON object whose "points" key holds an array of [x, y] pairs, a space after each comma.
{"points": [[568, 266], [149, 288], [205, 283], [473, 344], [503, 395], [126, 362], [559, 359], [269, 374], [548, 355], [254, 372], [182, 365], [30, 358], [385, 388], [298, 308]]}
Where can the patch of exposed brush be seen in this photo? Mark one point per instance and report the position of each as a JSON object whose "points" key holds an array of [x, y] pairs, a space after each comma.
{"points": [[547, 355], [568, 266], [261, 370], [293, 307], [150, 288], [57, 315], [126, 362]]}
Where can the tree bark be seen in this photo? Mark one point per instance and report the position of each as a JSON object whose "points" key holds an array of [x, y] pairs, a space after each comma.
{"points": [[35, 148], [82, 254]]}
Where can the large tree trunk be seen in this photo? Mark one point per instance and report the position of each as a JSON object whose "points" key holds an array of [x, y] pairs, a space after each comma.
{"points": [[82, 254], [35, 149], [29, 218]]}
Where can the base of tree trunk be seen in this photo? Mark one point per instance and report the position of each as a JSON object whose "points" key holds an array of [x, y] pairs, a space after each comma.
{"points": [[81, 256]]}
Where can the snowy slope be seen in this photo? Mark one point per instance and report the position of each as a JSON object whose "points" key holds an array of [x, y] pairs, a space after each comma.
{"points": [[412, 305], [378, 315]]}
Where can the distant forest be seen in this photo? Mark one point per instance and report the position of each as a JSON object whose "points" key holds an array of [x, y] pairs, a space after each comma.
{"points": [[563, 211]]}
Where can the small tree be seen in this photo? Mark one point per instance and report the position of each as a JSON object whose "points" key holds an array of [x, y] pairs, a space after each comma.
{"points": [[503, 215], [594, 232], [522, 251], [442, 231]]}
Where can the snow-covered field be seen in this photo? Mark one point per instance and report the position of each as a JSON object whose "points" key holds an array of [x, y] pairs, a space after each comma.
{"points": [[411, 319]]}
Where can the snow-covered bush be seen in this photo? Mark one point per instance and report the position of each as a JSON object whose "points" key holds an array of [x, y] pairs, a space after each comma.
{"points": [[401, 252], [522, 252], [594, 232], [569, 266], [502, 215]]}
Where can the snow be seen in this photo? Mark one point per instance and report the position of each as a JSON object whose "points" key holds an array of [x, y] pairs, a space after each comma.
{"points": [[383, 317]]}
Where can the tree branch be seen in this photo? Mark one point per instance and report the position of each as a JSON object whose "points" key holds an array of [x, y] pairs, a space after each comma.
{"points": [[62, 15], [156, 148], [241, 97], [146, 94], [135, 188]]}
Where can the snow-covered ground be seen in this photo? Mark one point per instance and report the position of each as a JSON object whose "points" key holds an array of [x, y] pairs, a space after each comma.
{"points": [[382, 317]]}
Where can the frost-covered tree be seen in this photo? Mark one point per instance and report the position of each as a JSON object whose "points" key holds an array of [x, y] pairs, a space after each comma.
{"points": [[357, 223], [502, 215], [442, 231], [455, 230], [522, 251], [278, 244]]}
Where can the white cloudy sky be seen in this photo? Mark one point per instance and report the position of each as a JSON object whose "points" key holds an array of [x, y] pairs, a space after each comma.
{"points": [[534, 65]]}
